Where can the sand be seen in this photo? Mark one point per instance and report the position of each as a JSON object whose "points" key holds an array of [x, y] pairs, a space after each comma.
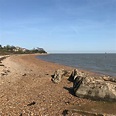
{"points": [[26, 88]]}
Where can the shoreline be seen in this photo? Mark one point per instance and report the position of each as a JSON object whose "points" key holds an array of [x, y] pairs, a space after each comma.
{"points": [[96, 72], [26, 88]]}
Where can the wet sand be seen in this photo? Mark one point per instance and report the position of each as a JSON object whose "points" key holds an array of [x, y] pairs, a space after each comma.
{"points": [[26, 88]]}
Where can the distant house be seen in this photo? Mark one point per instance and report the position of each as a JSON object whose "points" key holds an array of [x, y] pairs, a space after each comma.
{"points": [[24, 49], [19, 49], [16, 49]]}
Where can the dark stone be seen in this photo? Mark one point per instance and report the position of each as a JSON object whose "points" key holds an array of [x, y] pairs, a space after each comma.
{"points": [[1, 64], [24, 74], [32, 103]]}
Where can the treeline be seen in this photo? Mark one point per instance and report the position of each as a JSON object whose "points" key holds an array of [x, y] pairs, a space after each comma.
{"points": [[4, 50]]}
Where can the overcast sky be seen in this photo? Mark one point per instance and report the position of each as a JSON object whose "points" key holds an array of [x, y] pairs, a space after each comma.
{"points": [[59, 26]]}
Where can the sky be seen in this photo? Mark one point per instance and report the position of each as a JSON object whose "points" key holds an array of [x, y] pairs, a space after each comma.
{"points": [[59, 26]]}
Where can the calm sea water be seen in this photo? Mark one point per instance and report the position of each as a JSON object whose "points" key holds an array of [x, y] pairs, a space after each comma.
{"points": [[101, 63]]}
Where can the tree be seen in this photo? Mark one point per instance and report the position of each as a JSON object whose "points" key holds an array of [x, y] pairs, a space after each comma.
{"points": [[0, 46]]}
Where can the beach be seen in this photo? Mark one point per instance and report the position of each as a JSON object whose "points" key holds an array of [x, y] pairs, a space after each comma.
{"points": [[26, 88]]}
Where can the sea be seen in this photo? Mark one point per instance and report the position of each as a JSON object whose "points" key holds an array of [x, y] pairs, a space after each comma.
{"points": [[99, 63]]}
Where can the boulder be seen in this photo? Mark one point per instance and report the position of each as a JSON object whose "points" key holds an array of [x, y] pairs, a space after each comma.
{"points": [[75, 73], [58, 74], [108, 78], [98, 88]]}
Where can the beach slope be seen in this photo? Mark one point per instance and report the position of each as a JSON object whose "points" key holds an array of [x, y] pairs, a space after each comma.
{"points": [[26, 88]]}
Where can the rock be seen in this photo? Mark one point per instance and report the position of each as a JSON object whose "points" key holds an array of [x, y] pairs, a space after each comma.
{"points": [[2, 74], [85, 86], [95, 88], [109, 79], [67, 102], [57, 77], [1, 64], [76, 112], [32, 103], [3, 57], [20, 114], [75, 73], [24, 74], [8, 70], [5, 72]]}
